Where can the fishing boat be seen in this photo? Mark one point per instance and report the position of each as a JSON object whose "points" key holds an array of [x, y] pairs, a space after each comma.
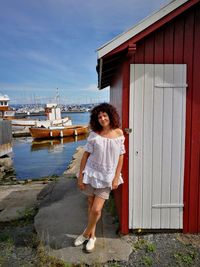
{"points": [[57, 132], [23, 123], [54, 118]]}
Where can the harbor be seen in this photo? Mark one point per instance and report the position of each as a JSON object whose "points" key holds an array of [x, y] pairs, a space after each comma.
{"points": [[42, 146], [39, 159]]}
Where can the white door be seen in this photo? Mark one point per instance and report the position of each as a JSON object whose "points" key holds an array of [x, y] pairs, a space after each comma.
{"points": [[156, 145]]}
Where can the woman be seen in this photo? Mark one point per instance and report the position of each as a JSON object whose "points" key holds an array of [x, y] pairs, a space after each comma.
{"points": [[100, 168]]}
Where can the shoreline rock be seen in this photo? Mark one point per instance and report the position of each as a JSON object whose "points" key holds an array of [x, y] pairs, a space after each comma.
{"points": [[6, 166], [73, 167]]}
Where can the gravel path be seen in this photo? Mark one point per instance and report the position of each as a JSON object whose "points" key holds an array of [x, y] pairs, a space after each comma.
{"points": [[160, 250]]}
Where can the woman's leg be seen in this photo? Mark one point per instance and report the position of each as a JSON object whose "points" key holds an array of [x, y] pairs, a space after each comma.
{"points": [[94, 216], [90, 203]]}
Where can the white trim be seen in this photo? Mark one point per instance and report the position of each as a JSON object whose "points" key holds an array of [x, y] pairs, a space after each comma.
{"points": [[145, 23], [169, 205], [171, 85], [131, 167], [100, 72]]}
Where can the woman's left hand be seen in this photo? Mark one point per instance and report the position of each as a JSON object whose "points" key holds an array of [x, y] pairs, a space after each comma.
{"points": [[81, 185], [114, 184]]}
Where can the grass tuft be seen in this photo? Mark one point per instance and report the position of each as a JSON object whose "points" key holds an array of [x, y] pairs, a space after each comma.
{"points": [[187, 258]]}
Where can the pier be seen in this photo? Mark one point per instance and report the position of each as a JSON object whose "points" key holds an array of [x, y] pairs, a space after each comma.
{"points": [[5, 137]]}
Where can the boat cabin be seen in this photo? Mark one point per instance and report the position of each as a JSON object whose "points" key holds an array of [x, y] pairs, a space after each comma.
{"points": [[53, 112]]}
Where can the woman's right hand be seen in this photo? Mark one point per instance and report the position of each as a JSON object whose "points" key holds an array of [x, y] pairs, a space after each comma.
{"points": [[81, 185]]}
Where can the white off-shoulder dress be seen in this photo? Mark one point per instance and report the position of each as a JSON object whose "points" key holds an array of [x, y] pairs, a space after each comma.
{"points": [[102, 162]]}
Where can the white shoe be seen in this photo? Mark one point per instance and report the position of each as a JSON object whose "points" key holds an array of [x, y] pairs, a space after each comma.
{"points": [[80, 240], [90, 244]]}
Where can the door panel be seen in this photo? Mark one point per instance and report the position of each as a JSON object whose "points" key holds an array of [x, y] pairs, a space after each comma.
{"points": [[156, 152]]}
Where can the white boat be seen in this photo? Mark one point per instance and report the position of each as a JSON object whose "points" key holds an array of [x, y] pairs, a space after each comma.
{"points": [[52, 111], [54, 118]]}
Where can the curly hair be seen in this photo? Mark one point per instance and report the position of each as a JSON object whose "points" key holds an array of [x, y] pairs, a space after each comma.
{"points": [[112, 114]]}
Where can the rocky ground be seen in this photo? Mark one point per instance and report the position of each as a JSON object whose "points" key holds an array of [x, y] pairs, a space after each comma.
{"points": [[164, 249], [20, 245], [18, 242]]}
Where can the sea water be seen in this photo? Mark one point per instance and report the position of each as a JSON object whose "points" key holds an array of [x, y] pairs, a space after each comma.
{"points": [[37, 159]]}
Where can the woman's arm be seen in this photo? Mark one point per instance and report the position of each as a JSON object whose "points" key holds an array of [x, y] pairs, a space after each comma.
{"points": [[82, 166], [117, 172]]}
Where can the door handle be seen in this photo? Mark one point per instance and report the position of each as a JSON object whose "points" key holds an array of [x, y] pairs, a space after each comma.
{"points": [[127, 130]]}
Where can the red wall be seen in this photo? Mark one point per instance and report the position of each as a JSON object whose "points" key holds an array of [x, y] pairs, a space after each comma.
{"points": [[176, 42], [117, 96], [116, 100]]}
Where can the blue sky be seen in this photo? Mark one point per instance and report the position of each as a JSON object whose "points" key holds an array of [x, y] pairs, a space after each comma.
{"points": [[49, 44]]}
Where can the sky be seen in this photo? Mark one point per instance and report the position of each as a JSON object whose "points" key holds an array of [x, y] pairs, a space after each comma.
{"points": [[50, 44]]}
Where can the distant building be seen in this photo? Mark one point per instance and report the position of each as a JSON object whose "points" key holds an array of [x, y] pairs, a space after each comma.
{"points": [[4, 104]]}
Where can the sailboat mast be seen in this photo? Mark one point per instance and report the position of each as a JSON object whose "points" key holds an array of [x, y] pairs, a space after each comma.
{"points": [[57, 97]]}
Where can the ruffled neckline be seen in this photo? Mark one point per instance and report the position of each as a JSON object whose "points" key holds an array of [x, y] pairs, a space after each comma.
{"points": [[118, 137]]}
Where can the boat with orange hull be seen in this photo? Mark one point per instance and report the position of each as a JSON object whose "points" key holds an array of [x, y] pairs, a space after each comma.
{"points": [[58, 132]]}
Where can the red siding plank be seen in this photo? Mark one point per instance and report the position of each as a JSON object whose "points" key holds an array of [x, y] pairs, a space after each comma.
{"points": [[195, 129], [178, 41], [169, 44], [117, 101], [198, 178], [125, 124], [149, 49], [140, 53], [188, 59], [159, 47]]}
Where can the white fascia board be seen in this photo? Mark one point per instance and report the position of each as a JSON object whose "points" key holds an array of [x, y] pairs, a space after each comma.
{"points": [[145, 23]]}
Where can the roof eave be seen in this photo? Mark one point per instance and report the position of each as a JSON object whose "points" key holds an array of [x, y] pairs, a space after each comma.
{"points": [[141, 26]]}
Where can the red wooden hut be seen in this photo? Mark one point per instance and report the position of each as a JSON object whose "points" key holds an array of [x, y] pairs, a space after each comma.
{"points": [[153, 71]]}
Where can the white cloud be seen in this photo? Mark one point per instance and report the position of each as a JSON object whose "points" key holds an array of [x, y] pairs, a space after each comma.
{"points": [[51, 43], [90, 88]]}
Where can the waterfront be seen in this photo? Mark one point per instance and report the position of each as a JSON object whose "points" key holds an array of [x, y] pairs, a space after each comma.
{"points": [[77, 117], [38, 159]]}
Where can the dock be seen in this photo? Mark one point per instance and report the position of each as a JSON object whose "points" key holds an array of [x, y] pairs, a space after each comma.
{"points": [[5, 137]]}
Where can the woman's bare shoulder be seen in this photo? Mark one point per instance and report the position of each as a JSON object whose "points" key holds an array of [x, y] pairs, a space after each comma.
{"points": [[119, 132]]}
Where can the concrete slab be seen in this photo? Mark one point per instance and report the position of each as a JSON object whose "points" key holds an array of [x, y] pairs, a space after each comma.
{"points": [[63, 215], [14, 199]]}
